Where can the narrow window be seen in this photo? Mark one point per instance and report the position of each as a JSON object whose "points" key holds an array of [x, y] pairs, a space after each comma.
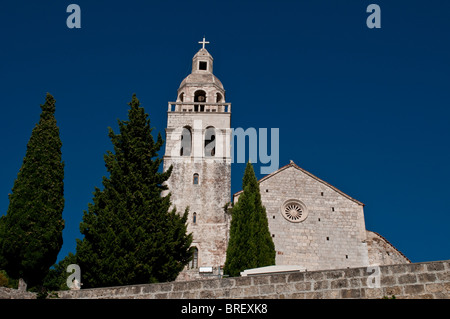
{"points": [[321, 193], [194, 218], [346, 256], [328, 238], [195, 181], [194, 262], [186, 142], [210, 141], [332, 209]]}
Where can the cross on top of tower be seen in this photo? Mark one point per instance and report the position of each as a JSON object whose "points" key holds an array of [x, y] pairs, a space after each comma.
{"points": [[203, 42]]}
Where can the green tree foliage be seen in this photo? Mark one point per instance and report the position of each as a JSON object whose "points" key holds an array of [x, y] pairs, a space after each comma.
{"points": [[130, 236], [250, 244], [56, 278], [31, 231]]}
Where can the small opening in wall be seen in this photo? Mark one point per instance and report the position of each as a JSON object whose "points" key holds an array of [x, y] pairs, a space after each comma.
{"points": [[273, 216], [332, 209], [267, 190], [195, 179], [328, 238], [203, 65], [321, 193], [273, 235], [319, 219], [346, 256], [194, 218]]}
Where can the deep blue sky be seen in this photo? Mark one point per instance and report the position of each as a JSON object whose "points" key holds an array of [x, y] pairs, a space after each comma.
{"points": [[367, 110]]}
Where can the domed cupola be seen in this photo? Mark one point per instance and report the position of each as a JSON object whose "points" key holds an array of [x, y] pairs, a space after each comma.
{"points": [[201, 85]]}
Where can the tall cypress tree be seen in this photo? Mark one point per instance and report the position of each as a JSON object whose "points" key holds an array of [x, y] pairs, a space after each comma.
{"points": [[250, 244], [31, 231], [130, 236]]}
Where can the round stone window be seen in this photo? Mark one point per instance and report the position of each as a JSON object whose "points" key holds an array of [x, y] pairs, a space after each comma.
{"points": [[294, 211]]}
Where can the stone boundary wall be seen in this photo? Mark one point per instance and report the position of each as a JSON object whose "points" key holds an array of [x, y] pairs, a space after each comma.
{"points": [[10, 293], [427, 280]]}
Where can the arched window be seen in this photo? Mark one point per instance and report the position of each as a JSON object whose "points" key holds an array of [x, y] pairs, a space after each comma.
{"points": [[182, 97], [210, 141], [218, 98], [195, 179], [199, 96], [186, 142], [194, 218], [194, 262]]}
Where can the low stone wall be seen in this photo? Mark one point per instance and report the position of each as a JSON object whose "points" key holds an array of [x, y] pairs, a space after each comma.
{"points": [[418, 280], [10, 293]]}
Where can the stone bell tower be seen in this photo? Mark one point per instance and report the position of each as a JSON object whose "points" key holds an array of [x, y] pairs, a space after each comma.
{"points": [[198, 138]]}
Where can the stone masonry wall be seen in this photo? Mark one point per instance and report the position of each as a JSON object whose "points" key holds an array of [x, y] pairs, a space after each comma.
{"points": [[419, 281]]}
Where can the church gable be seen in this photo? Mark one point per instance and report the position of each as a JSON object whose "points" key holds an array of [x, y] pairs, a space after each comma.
{"points": [[313, 224], [292, 168]]}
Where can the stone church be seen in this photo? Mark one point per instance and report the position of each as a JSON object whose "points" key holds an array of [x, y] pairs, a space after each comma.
{"points": [[313, 224]]}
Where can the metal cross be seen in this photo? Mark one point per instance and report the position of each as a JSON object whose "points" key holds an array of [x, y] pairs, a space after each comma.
{"points": [[203, 42]]}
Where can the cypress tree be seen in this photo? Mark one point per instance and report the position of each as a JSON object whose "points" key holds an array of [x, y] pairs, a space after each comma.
{"points": [[130, 235], [31, 231], [250, 244]]}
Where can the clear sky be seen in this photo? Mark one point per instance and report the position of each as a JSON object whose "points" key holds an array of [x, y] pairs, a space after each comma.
{"points": [[366, 110]]}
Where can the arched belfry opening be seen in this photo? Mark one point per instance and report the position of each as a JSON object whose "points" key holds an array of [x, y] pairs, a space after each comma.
{"points": [[210, 141], [186, 141], [199, 96]]}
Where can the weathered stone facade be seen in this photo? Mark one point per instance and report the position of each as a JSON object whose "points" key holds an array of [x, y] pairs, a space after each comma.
{"points": [[313, 224], [382, 252], [198, 147], [332, 235]]}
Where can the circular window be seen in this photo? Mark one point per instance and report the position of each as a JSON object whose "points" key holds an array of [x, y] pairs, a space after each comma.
{"points": [[294, 211]]}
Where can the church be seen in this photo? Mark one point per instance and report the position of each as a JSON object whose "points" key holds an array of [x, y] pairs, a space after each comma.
{"points": [[314, 225]]}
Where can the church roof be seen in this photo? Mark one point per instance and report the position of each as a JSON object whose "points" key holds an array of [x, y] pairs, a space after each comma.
{"points": [[292, 164], [199, 79]]}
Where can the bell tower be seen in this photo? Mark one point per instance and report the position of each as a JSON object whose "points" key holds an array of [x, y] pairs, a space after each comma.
{"points": [[198, 139]]}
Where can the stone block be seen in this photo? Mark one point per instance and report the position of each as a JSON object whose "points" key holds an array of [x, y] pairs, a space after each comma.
{"points": [[261, 280], [276, 279], [387, 281], [266, 289], [350, 293], [303, 286], [315, 275], [243, 281], [321, 285], [299, 276], [338, 284], [436, 287], [193, 285], [373, 293], [413, 289], [435, 266], [426, 277], [335, 274], [393, 291], [210, 284], [407, 279]]}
